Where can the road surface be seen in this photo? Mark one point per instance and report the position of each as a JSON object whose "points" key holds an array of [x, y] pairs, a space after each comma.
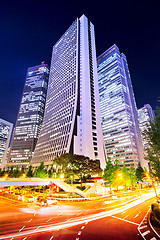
{"points": [[76, 220]]}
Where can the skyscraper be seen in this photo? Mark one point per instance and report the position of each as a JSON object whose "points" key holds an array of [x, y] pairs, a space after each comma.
{"points": [[30, 116], [145, 116], [5, 135], [119, 116], [72, 116]]}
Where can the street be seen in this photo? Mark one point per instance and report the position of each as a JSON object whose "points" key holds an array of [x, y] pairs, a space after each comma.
{"points": [[76, 220]]}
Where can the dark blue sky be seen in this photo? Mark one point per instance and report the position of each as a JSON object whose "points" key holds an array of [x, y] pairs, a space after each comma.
{"points": [[29, 29]]}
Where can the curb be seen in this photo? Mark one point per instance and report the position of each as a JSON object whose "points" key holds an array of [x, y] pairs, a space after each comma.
{"points": [[149, 221]]}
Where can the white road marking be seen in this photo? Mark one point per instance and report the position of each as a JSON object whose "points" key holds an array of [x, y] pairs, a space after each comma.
{"points": [[79, 233], [126, 216], [37, 228], [49, 220], [30, 220], [125, 220], [137, 214], [69, 220], [82, 227], [77, 238], [145, 233], [21, 229], [24, 238], [153, 238], [51, 238], [143, 227]]}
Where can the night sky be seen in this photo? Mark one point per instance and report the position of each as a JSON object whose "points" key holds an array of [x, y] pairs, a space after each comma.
{"points": [[29, 29]]}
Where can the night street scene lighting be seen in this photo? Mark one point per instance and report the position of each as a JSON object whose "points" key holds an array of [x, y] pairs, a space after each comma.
{"points": [[78, 165]]}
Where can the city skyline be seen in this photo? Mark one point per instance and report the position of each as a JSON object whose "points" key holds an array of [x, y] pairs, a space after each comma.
{"points": [[72, 116], [30, 116], [119, 116], [136, 38]]}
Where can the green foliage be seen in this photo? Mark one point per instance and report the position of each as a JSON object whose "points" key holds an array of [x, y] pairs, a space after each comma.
{"points": [[126, 176], [40, 171], [132, 173], [140, 173], [109, 173], [156, 214], [152, 136], [77, 164], [154, 163], [29, 172], [16, 173], [22, 170]]}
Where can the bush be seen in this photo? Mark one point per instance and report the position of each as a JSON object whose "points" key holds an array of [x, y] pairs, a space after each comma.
{"points": [[156, 213], [154, 205]]}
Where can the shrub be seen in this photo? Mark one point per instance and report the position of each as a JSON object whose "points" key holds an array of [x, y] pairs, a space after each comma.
{"points": [[156, 213], [154, 205]]}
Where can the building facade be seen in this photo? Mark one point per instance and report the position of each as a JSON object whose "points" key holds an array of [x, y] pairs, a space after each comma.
{"points": [[119, 117], [145, 116], [5, 135], [72, 115], [30, 116]]}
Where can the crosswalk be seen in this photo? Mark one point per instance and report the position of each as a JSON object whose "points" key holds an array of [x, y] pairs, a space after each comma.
{"points": [[145, 230]]}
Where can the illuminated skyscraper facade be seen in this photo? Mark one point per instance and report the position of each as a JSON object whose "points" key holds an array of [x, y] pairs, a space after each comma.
{"points": [[72, 115], [5, 135], [119, 118], [30, 116], [145, 116]]}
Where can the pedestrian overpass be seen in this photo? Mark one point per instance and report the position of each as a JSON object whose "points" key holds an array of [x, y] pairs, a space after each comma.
{"points": [[17, 182]]}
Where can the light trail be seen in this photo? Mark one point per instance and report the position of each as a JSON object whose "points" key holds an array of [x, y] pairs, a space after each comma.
{"points": [[82, 220]]}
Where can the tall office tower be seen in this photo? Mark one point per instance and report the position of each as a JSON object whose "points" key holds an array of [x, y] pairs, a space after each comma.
{"points": [[5, 135], [119, 118], [72, 114], [30, 116], [145, 116]]}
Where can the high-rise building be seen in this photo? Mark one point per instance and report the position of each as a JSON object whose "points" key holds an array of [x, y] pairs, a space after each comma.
{"points": [[119, 117], [72, 115], [5, 135], [30, 116], [145, 116]]}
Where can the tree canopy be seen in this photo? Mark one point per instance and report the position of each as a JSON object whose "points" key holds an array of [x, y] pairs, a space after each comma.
{"points": [[152, 136]]}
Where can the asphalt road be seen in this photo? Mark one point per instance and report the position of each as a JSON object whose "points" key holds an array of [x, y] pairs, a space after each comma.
{"points": [[69, 221]]}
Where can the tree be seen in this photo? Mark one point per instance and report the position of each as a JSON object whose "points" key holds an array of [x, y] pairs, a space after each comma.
{"points": [[140, 173], [29, 172], [132, 174], [154, 163], [125, 174], [109, 172], [118, 177], [16, 173], [152, 136], [41, 172], [79, 165]]}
